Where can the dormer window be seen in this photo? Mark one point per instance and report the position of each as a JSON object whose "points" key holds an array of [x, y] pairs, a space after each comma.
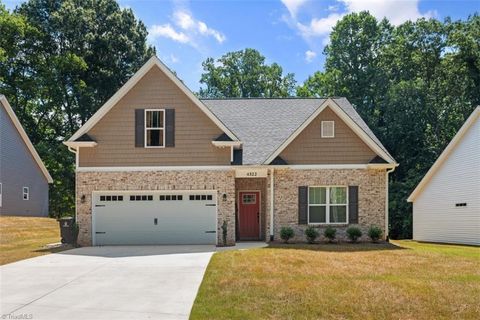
{"points": [[154, 128], [328, 129]]}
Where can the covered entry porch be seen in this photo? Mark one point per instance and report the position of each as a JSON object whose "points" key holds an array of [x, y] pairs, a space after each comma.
{"points": [[253, 204]]}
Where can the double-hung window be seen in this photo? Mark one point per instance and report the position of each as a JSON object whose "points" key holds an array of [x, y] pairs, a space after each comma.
{"points": [[26, 193], [327, 205], [154, 128]]}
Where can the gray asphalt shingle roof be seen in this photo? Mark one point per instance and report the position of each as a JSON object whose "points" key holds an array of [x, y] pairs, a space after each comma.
{"points": [[264, 124]]}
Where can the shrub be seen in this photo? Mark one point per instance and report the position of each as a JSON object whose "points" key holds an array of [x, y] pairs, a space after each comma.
{"points": [[375, 233], [330, 233], [353, 233], [311, 233], [286, 233]]}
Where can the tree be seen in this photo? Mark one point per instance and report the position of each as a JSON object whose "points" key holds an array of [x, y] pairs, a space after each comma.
{"points": [[61, 60], [414, 84], [244, 74]]}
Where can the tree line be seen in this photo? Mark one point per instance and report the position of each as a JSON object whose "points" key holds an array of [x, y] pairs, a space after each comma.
{"points": [[414, 84]]}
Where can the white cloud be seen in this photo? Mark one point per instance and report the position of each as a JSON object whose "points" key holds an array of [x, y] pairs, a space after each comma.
{"points": [[167, 31], [293, 6], [185, 29], [319, 27], [187, 22], [310, 55], [396, 12]]}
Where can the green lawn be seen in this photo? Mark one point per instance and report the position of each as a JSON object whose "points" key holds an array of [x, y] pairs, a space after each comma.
{"points": [[402, 280], [26, 237]]}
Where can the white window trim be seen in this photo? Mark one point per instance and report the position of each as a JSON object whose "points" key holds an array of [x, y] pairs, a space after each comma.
{"points": [[333, 129], [145, 129], [26, 193], [327, 205]]}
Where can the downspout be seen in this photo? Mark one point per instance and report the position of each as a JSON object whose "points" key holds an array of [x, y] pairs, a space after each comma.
{"points": [[75, 151], [271, 203], [386, 202]]}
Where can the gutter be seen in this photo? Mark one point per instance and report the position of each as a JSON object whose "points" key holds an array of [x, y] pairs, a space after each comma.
{"points": [[271, 203], [386, 202]]}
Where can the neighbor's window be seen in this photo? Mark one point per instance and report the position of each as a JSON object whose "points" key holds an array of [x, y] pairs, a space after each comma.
{"points": [[154, 128], [328, 129], [26, 193], [327, 205]]}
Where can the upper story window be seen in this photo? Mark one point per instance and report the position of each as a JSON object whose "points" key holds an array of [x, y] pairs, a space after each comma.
{"points": [[327, 205], [154, 128], [26, 193], [328, 129]]}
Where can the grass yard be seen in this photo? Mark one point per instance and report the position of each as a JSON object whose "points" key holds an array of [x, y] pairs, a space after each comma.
{"points": [[403, 280], [26, 237]]}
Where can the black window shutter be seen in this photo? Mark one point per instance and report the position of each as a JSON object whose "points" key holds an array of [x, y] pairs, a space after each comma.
{"points": [[169, 127], [302, 205], [353, 204], [139, 128]]}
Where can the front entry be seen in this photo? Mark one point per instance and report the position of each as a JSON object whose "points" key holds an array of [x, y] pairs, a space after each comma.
{"points": [[249, 215]]}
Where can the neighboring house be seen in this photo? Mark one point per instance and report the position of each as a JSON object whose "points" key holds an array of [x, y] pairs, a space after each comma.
{"points": [[446, 203], [156, 165], [23, 177]]}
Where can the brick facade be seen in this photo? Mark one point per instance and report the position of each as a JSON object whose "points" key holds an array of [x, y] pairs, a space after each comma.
{"points": [[371, 183], [222, 181], [371, 197]]}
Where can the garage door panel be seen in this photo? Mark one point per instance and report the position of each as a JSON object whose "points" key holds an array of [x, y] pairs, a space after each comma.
{"points": [[133, 222]]}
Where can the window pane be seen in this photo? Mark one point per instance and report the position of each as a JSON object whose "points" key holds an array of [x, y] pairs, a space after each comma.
{"points": [[154, 138], [338, 195], [317, 214], [154, 119], [338, 214], [317, 195]]}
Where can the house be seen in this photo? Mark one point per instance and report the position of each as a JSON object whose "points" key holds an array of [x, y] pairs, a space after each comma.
{"points": [[446, 202], [23, 177], [156, 165]]}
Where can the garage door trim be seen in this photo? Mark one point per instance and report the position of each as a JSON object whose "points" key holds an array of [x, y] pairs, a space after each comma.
{"points": [[156, 192]]}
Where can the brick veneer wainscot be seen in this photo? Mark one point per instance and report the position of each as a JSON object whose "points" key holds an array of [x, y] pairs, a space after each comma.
{"points": [[222, 181], [371, 197]]}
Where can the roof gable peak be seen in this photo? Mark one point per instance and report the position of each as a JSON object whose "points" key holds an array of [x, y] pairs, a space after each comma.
{"points": [[154, 61]]}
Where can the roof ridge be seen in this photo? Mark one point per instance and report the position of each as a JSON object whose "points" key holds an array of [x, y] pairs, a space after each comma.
{"points": [[274, 98]]}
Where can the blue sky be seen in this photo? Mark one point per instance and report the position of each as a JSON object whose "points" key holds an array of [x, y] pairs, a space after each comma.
{"points": [[292, 33]]}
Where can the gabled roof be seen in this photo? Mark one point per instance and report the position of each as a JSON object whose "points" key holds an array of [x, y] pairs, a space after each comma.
{"points": [[26, 140], [152, 62], [445, 154], [267, 126]]}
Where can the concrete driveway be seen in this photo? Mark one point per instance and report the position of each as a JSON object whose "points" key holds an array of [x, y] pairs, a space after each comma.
{"points": [[135, 282]]}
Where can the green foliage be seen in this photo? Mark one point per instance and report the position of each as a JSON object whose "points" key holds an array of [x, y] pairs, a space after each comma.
{"points": [[311, 233], [59, 62], [414, 84], [375, 233], [330, 233], [286, 233], [354, 233], [244, 74]]}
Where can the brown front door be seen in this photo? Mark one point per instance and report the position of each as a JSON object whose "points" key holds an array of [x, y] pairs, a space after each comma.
{"points": [[249, 215]]}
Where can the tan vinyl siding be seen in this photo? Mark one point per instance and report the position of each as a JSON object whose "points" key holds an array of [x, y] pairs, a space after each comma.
{"points": [[115, 132], [310, 148]]}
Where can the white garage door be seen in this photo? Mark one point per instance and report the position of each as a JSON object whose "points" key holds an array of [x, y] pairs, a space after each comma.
{"points": [[136, 218]]}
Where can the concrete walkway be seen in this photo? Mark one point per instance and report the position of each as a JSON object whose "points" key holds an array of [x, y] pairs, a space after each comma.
{"points": [[122, 282]]}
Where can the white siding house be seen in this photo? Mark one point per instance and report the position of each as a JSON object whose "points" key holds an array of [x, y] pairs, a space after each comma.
{"points": [[446, 203]]}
